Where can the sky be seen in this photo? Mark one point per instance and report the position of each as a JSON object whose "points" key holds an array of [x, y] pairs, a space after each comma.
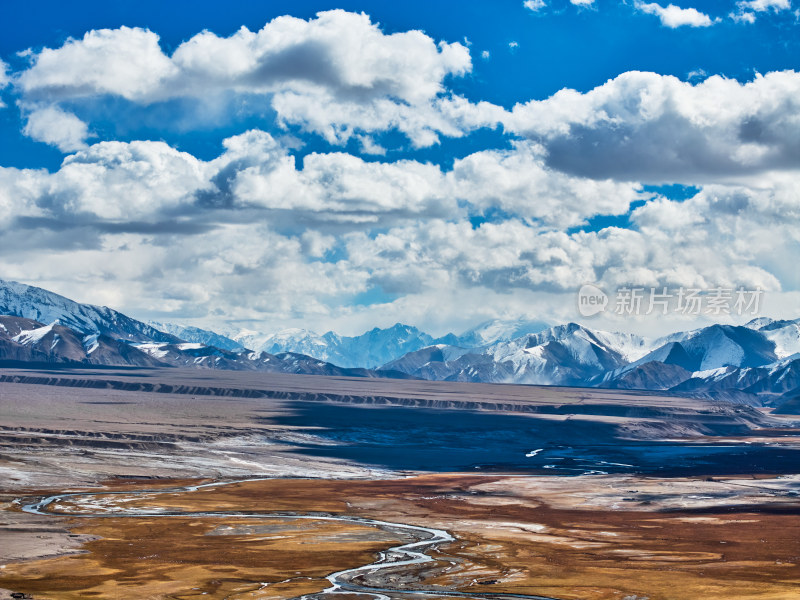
{"points": [[341, 166]]}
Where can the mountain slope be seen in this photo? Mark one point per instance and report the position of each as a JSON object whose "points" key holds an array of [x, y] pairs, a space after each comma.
{"points": [[785, 335], [720, 346], [733, 363], [301, 341], [198, 356], [26, 340], [773, 384], [20, 300]]}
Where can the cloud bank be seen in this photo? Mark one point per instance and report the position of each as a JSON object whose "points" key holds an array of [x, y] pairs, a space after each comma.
{"points": [[261, 234], [659, 129], [334, 75]]}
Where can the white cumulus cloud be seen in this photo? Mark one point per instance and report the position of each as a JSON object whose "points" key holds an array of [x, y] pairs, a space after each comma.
{"points": [[518, 183], [674, 16], [126, 62], [57, 127], [659, 129], [534, 5], [764, 5], [334, 75], [160, 233], [747, 9]]}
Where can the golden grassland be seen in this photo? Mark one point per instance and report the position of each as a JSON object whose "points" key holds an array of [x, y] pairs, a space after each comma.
{"points": [[184, 558], [510, 538]]}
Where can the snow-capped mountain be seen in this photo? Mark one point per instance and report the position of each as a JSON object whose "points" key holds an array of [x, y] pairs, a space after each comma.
{"points": [[20, 300], [27, 341], [199, 356], [377, 346], [24, 341], [198, 336], [719, 346], [776, 384], [756, 363], [564, 355], [724, 361], [301, 341], [699, 350], [497, 330], [785, 335], [69, 333], [368, 350]]}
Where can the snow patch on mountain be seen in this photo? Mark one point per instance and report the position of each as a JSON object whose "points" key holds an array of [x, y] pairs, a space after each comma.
{"points": [[156, 350], [786, 339], [33, 336], [91, 343]]}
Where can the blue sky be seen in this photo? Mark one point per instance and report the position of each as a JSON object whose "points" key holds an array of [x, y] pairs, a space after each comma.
{"points": [[560, 46], [348, 170]]}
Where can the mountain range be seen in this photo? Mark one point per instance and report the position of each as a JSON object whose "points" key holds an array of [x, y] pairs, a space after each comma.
{"points": [[41, 327], [758, 363]]}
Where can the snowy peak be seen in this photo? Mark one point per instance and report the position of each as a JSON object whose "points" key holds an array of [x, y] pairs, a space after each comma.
{"points": [[759, 323], [497, 330], [785, 334], [734, 362], [198, 336], [563, 355], [368, 350], [378, 346], [758, 362], [40, 305], [287, 340], [723, 345], [30, 342]]}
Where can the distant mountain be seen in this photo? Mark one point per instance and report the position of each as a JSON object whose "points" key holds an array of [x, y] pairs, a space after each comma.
{"points": [[774, 385], [199, 356], [377, 346], [20, 300], [721, 346], [759, 359], [733, 363], [496, 330], [301, 341], [652, 375], [564, 355], [27, 341], [755, 363], [198, 336], [368, 350], [688, 352], [64, 332]]}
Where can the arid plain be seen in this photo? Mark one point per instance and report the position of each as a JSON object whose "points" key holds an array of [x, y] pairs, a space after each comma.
{"points": [[184, 484]]}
